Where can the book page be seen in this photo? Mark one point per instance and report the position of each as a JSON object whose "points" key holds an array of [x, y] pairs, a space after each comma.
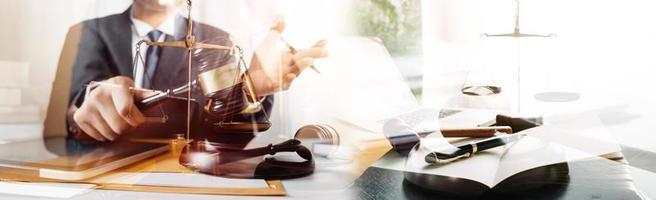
{"points": [[528, 153], [559, 141], [468, 118], [481, 168]]}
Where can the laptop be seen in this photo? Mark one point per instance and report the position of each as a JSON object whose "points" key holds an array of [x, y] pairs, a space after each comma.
{"points": [[65, 159]]}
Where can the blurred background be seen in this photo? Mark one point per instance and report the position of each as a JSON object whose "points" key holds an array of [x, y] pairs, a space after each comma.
{"points": [[603, 49]]}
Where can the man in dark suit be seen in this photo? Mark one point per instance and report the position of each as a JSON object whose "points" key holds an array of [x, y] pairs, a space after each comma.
{"points": [[107, 48]]}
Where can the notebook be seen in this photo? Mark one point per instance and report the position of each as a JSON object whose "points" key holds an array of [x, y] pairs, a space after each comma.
{"points": [[64, 159], [539, 158]]}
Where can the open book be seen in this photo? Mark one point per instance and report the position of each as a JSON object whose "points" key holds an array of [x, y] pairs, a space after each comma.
{"points": [[541, 157]]}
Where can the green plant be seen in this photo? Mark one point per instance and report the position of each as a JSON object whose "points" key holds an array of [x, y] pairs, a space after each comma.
{"points": [[396, 22]]}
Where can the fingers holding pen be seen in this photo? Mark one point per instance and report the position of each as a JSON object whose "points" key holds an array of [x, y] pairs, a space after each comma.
{"points": [[122, 103], [305, 58]]}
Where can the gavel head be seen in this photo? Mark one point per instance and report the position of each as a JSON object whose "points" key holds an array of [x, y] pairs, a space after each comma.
{"points": [[224, 86], [224, 90]]}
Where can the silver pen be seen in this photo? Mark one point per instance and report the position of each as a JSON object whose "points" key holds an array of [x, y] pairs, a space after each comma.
{"points": [[293, 50]]}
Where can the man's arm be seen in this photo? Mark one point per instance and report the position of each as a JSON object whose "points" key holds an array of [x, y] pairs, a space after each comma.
{"points": [[91, 62], [108, 111]]}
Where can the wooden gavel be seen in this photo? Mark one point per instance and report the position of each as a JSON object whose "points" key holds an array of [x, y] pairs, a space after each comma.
{"points": [[225, 97]]}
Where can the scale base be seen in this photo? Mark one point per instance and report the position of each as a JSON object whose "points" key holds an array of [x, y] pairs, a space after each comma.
{"points": [[557, 96]]}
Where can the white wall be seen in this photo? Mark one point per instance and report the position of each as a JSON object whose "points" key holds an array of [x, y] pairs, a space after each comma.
{"points": [[8, 16], [34, 33], [604, 48]]}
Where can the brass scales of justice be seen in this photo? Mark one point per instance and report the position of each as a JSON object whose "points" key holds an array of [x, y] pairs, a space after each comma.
{"points": [[216, 84], [228, 92], [219, 85]]}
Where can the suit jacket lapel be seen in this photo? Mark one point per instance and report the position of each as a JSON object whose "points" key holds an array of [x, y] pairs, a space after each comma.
{"points": [[170, 67], [122, 43], [180, 35]]}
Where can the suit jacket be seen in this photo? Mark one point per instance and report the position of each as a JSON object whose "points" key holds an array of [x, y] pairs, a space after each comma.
{"points": [[105, 51]]}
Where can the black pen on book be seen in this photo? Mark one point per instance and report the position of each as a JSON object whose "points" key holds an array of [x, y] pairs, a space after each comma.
{"points": [[468, 150]]}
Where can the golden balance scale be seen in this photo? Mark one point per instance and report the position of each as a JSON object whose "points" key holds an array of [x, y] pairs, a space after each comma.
{"points": [[229, 92]]}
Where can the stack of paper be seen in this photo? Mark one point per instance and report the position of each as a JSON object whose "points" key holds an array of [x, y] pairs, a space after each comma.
{"points": [[14, 74], [17, 120], [10, 96], [13, 79], [19, 114]]}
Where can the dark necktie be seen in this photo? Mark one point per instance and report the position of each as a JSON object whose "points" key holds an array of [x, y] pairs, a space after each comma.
{"points": [[152, 56]]}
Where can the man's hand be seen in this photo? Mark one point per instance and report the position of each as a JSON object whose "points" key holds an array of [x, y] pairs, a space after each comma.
{"points": [[109, 111], [274, 66]]}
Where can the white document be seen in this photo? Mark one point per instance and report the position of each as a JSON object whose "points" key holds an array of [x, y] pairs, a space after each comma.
{"points": [[468, 118], [359, 83], [182, 180], [50, 190]]}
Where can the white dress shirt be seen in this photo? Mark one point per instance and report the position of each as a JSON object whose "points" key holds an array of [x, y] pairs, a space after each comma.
{"points": [[140, 30]]}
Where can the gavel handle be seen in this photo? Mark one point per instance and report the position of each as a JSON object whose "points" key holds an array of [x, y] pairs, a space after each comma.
{"points": [[156, 98], [79, 135], [232, 155]]}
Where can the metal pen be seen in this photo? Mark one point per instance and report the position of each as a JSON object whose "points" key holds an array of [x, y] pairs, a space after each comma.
{"points": [[468, 150]]}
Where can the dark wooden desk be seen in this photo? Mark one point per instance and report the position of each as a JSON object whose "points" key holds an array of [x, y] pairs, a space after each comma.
{"points": [[591, 179]]}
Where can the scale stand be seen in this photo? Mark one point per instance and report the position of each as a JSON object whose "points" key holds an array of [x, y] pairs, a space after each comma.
{"points": [[253, 105], [545, 96]]}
